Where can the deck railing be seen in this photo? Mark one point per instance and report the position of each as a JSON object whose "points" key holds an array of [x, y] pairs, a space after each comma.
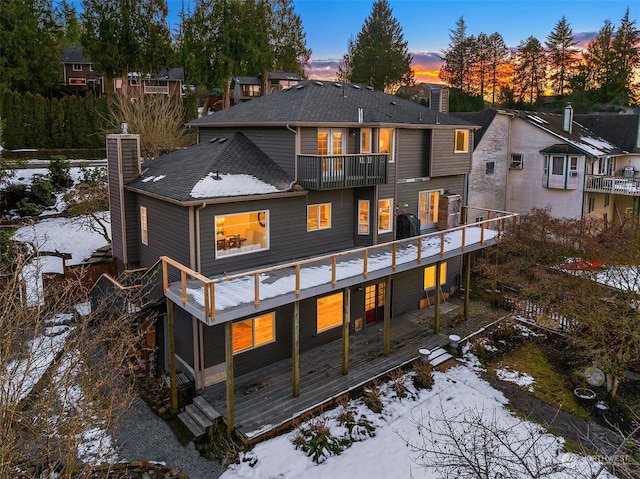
{"points": [[320, 172], [368, 259], [613, 185]]}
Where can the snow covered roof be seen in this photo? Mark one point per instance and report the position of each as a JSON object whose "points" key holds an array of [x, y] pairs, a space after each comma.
{"points": [[326, 102], [584, 140], [619, 129], [225, 166]]}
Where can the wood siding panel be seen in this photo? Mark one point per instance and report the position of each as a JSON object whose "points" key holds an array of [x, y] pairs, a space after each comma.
{"points": [[444, 161], [183, 328], [412, 154], [168, 232]]}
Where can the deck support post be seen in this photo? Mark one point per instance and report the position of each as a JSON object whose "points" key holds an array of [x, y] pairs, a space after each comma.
{"points": [[346, 313], [436, 312], [386, 335], [228, 350], [197, 370], [467, 284], [295, 349], [172, 357]]}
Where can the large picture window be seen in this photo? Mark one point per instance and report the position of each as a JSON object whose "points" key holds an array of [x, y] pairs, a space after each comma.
{"points": [[144, 230], [318, 217], [385, 216], [430, 276], [241, 233], [363, 217], [461, 141], [254, 332], [329, 313]]}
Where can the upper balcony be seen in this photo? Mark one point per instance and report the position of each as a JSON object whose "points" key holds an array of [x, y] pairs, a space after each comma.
{"points": [[616, 185], [320, 172]]}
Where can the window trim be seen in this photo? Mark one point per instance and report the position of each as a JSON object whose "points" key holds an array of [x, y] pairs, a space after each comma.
{"points": [[76, 67], [390, 229], [517, 161], [253, 332], [465, 133], [330, 132], [144, 226], [219, 227], [319, 207]]}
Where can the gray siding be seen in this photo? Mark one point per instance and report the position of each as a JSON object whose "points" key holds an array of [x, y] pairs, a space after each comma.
{"points": [[183, 327], [444, 161], [279, 144], [168, 232], [412, 153], [288, 235]]}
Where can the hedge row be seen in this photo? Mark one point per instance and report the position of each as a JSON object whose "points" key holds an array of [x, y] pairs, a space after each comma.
{"points": [[47, 154], [33, 121]]}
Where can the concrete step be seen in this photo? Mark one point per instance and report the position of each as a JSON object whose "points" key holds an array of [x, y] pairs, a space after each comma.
{"points": [[206, 408], [198, 416], [439, 356], [188, 421]]}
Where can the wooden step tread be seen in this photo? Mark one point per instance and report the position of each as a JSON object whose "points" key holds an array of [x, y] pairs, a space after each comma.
{"points": [[198, 416], [188, 421], [206, 408]]}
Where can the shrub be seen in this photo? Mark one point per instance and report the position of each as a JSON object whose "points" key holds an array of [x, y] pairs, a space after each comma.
{"points": [[60, 172], [27, 208], [316, 440], [12, 194], [398, 384], [423, 378], [372, 398], [41, 191]]}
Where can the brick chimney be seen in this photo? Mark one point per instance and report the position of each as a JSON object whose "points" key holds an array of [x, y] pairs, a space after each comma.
{"points": [[123, 163]]}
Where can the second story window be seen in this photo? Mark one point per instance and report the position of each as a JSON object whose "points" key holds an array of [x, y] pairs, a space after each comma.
{"points": [[386, 142], [77, 67], [365, 140], [363, 217], [516, 161], [490, 168], [461, 144], [319, 217], [385, 208], [144, 231], [241, 233], [557, 165]]}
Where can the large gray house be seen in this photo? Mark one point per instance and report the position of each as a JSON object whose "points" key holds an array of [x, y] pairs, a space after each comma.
{"points": [[315, 213]]}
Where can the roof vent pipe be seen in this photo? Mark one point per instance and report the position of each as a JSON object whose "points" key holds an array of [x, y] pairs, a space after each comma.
{"points": [[567, 120], [360, 115], [125, 128]]}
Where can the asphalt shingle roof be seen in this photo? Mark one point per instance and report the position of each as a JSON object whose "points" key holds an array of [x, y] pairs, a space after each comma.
{"points": [[621, 130], [176, 174], [324, 103]]}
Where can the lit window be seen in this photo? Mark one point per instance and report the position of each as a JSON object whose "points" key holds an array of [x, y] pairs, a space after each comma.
{"points": [[241, 233], [363, 217], [330, 142], [365, 140], [329, 313], [251, 90], [385, 142], [254, 332], [462, 141], [385, 216], [318, 216], [430, 276], [144, 232], [490, 167], [428, 202]]}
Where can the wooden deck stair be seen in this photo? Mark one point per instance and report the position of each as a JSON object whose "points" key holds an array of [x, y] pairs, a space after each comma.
{"points": [[199, 416]]}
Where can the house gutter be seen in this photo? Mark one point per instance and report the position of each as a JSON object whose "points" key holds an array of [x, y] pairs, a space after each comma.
{"points": [[214, 201]]}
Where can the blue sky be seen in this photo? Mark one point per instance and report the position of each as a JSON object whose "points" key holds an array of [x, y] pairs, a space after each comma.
{"points": [[329, 24]]}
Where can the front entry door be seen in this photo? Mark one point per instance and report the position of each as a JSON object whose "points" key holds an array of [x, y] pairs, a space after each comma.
{"points": [[374, 303]]}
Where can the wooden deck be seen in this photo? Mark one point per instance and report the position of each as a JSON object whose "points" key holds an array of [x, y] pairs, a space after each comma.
{"points": [[264, 402]]}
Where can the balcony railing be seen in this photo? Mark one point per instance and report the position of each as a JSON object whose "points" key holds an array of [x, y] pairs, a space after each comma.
{"points": [[224, 298], [316, 172], [156, 89], [613, 185]]}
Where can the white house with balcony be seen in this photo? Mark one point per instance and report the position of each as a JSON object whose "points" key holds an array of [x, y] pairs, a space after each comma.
{"points": [[524, 160]]}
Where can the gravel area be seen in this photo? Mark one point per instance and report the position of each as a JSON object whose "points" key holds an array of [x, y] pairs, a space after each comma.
{"points": [[144, 436]]}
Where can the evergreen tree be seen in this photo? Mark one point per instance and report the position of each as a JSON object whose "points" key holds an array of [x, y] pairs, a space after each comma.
{"points": [[11, 114], [380, 56], [41, 120], [29, 45], [497, 60], [57, 124], [28, 126], [458, 58], [480, 65], [288, 40], [530, 74], [68, 20], [344, 67], [561, 56], [599, 64], [627, 58], [126, 35]]}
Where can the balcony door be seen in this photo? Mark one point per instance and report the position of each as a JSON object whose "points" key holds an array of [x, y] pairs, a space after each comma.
{"points": [[331, 143], [374, 303], [428, 209]]}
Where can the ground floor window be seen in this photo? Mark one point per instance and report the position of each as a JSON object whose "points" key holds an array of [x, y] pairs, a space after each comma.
{"points": [[241, 233], [430, 276], [318, 216], [254, 332], [329, 313]]}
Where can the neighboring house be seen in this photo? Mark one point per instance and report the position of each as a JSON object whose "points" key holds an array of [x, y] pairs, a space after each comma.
{"points": [[433, 95], [305, 203], [78, 74], [248, 88], [524, 160], [165, 82], [613, 188]]}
